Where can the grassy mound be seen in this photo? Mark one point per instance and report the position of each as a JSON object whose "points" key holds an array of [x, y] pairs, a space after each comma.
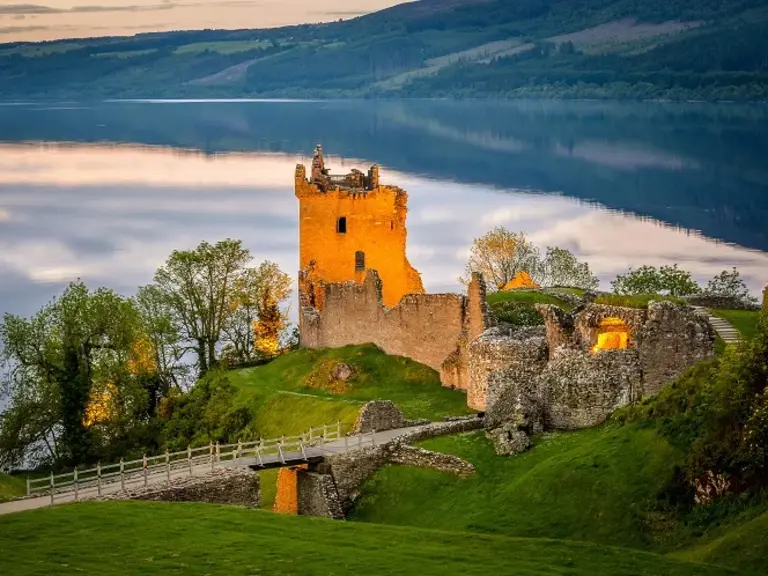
{"points": [[297, 390], [591, 485], [11, 487], [153, 538], [525, 297]]}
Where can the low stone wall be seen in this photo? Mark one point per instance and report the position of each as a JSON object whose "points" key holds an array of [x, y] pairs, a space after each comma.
{"points": [[237, 486], [421, 458]]}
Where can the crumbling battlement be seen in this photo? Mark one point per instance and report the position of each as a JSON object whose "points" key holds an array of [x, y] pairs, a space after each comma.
{"points": [[428, 328]]}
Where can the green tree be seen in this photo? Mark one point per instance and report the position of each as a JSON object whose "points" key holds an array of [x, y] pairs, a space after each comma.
{"points": [[666, 280], [197, 286], [561, 268], [729, 284], [53, 363]]}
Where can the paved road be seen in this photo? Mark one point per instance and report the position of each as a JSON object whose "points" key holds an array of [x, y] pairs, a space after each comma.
{"points": [[203, 465]]}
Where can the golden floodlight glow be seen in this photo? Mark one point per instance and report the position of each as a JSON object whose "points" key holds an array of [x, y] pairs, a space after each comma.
{"points": [[613, 335]]}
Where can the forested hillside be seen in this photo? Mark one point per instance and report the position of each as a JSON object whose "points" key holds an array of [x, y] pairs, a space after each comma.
{"points": [[678, 49]]}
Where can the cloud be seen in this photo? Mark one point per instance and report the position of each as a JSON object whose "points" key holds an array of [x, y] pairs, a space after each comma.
{"points": [[41, 9], [20, 29]]}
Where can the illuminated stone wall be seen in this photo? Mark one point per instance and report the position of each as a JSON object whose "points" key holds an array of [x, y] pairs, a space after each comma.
{"points": [[428, 328], [374, 225]]}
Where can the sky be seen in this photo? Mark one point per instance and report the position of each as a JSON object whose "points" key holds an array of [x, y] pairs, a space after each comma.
{"points": [[54, 19], [112, 214]]}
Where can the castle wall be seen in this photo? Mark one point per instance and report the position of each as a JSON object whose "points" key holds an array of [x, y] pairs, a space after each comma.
{"points": [[423, 327], [375, 225]]}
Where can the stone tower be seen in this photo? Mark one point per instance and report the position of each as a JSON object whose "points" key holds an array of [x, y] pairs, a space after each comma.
{"points": [[347, 225]]}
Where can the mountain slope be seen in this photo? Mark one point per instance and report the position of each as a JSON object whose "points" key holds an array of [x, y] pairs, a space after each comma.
{"points": [[604, 48]]}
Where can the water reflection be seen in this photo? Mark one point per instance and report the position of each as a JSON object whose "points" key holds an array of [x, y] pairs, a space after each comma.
{"points": [[111, 215]]}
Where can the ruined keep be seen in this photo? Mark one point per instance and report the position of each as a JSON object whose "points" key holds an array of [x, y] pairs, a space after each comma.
{"points": [[350, 224], [357, 287]]}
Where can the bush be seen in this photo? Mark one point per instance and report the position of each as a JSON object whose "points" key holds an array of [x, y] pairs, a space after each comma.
{"points": [[518, 314]]}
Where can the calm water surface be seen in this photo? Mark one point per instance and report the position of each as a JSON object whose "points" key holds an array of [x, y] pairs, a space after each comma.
{"points": [[105, 191]]}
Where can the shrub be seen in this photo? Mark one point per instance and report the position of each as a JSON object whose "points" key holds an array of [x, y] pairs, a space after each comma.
{"points": [[518, 314]]}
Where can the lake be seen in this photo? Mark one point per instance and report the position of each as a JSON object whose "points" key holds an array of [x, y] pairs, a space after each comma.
{"points": [[105, 191]]}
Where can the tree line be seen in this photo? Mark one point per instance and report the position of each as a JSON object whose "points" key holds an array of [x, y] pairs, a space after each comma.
{"points": [[89, 374]]}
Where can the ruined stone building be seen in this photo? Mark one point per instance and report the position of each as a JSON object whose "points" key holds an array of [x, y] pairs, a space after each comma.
{"points": [[349, 224], [356, 287]]}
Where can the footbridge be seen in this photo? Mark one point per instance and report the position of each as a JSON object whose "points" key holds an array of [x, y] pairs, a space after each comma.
{"points": [[93, 483]]}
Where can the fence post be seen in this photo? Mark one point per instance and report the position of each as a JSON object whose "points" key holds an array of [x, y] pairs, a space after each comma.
{"points": [[373, 437], [28, 486], [98, 478], [346, 443], [189, 458], [122, 474], [74, 481], [210, 454], [218, 451], [53, 487], [360, 439], [144, 466], [338, 429], [239, 449], [310, 433], [168, 465]]}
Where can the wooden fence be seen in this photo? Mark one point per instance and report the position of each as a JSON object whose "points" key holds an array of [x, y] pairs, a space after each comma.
{"points": [[173, 464]]}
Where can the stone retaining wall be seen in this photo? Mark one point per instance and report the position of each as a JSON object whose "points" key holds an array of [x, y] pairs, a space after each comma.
{"points": [[238, 486], [421, 458]]}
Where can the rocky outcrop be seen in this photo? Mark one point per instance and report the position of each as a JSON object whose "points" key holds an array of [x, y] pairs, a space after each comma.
{"points": [[502, 357], [379, 415], [507, 440], [239, 486]]}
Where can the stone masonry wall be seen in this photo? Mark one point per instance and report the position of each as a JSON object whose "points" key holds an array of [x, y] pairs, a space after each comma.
{"points": [[237, 486], [520, 354], [317, 496], [427, 328], [379, 415], [420, 458], [672, 339]]}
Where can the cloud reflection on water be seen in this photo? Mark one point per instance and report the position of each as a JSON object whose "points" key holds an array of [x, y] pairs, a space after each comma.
{"points": [[112, 214]]}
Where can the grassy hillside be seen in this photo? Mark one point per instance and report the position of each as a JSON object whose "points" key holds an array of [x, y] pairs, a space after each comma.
{"points": [[605, 48], [744, 547], [296, 391], [153, 538], [592, 485], [605, 486], [745, 321], [11, 487]]}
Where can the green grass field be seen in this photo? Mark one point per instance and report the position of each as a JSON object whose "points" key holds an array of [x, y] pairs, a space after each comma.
{"points": [[11, 487], [282, 401], [120, 538], [591, 485], [745, 321]]}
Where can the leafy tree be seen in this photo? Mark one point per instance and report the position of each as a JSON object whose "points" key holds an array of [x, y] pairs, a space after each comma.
{"points": [[561, 268], [729, 284], [501, 255], [666, 280], [198, 286], [257, 296], [79, 345]]}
